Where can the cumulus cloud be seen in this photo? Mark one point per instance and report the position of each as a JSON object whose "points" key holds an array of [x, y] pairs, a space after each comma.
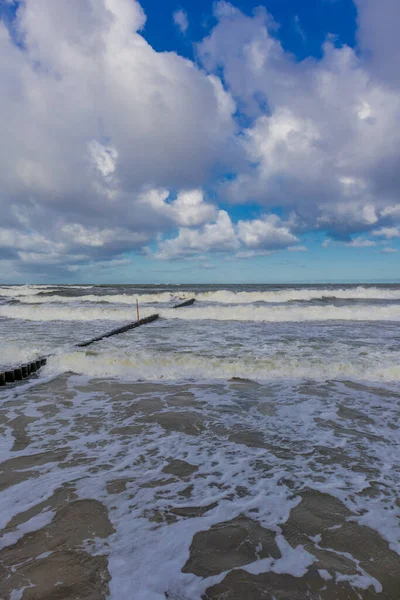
{"points": [[181, 20], [257, 236], [217, 236], [108, 146], [387, 232], [187, 209], [324, 138], [360, 242], [93, 115], [265, 233]]}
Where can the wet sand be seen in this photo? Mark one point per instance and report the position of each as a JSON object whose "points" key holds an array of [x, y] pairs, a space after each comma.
{"points": [[98, 477]]}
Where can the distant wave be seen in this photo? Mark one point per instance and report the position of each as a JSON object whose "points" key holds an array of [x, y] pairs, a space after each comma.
{"points": [[31, 295], [130, 299], [240, 312], [16, 291], [290, 295], [289, 312]]}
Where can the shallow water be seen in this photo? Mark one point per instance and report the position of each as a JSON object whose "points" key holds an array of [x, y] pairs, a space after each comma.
{"points": [[202, 456]]}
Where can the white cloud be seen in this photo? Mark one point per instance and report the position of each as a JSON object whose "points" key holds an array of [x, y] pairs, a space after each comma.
{"points": [[188, 209], [17, 240], [249, 237], [93, 115], [265, 233], [387, 232], [217, 236], [360, 242], [50, 258], [297, 249], [252, 253], [299, 29], [391, 211], [79, 235], [107, 145], [104, 157], [388, 250], [181, 20], [329, 141]]}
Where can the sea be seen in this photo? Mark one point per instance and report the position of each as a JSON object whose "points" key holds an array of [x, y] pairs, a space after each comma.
{"points": [[245, 447]]}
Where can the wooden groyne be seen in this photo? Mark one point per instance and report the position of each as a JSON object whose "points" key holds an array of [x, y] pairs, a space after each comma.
{"points": [[21, 372], [187, 303], [123, 329]]}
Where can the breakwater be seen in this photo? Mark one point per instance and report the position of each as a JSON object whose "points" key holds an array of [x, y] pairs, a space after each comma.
{"points": [[21, 372]]}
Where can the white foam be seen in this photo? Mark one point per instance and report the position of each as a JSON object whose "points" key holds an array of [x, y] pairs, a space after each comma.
{"points": [[17, 594], [294, 561], [286, 313], [220, 296], [133, 363], [296, 412], [33, 524], [18, 352], [362, 582], [139, 543], [28, 290], [165, 297], [21, 290], [283, 313], [68, 313], [302, 294]]}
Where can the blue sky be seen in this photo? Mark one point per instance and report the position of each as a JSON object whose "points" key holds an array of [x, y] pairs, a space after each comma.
{"points": [[200, 141], [303, 25]]}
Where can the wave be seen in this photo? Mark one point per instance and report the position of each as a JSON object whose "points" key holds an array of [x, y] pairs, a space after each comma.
{"points": [[164, 297], [156, 366], [217, 296], [29, 290], [67, 313], [17, 353], [21, 290], [239, 312], [302, 294], [284, 313]]}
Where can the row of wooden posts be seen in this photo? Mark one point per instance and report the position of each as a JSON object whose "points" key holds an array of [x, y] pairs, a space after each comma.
{"points": [[23, 371]]}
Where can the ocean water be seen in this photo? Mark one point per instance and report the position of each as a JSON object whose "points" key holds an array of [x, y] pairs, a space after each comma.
{"points": [[243, 447]]}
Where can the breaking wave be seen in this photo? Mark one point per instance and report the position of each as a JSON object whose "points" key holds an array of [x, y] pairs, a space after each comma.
{"points": [[69, 313], [154, 366], [240, 312], [32, 295], [17, 291]]}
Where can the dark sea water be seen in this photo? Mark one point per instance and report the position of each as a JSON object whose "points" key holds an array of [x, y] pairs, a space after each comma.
{"points": [[245, 447]]}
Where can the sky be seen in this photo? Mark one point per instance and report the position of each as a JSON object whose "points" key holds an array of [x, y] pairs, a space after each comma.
{"points": [[216, 142]]}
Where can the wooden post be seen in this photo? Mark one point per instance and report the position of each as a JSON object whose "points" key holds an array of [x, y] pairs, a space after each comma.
{"points": [[10, 376], [137, 309]]}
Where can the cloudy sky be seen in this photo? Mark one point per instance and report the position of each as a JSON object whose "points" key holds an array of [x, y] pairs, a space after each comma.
{"points": [[199, 141]]}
